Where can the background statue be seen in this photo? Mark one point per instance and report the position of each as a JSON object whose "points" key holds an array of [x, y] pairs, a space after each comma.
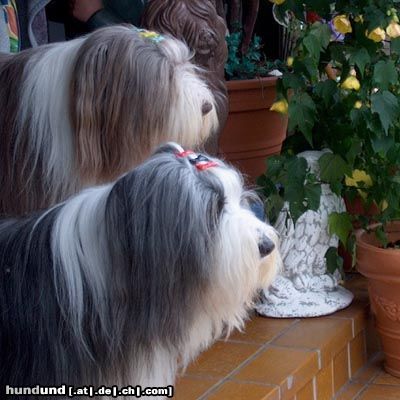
{"points": [[197, 23]]}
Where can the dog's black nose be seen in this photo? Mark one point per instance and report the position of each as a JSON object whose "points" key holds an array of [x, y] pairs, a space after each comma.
{"points": [[206, 108], [265, 246]]}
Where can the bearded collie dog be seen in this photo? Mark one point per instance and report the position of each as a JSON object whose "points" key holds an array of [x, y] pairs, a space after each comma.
{"points": [[125, 283], [83, 112]]}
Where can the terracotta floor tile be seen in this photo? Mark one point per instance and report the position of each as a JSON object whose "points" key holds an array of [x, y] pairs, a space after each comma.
{"points": [[380, 392], [358, 356], [383, 378], [349, 392], [325, 383], [370, 371], [327, 334], [262, 330], [290, 369], [191, 388], [373, 340], [358, 312], [221, 359], [244, 391], [307, 392], [340, 369]]}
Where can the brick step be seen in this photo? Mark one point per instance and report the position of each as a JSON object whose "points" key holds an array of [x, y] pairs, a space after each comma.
{"points": [[286, 359]]}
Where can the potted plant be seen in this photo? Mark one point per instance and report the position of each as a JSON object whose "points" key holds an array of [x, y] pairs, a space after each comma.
{"points": [[344, 96], [252, 131]]}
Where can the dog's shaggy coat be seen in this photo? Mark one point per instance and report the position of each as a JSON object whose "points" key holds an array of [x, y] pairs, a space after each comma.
{"points": [[126, 283], [83, 112]]}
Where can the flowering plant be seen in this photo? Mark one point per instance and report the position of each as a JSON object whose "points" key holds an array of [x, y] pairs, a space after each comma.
{"points": [[341, 91]]}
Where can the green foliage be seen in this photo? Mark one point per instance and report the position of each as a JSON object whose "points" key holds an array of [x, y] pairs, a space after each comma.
{"points": [[245, 66], [359, 124]]}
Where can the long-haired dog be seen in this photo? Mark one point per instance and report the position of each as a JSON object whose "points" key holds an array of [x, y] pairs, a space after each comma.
{"points": [[126, 283], [82, 112]]}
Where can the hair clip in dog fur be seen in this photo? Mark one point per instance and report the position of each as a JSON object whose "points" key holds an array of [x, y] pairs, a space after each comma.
{"points": [[200, 161], [154, 36]]}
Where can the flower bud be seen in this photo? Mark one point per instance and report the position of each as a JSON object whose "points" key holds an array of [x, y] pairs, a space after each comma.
{"points": [[342, 24], [377, 35], [280, 106], [351, 83], [358, 104], [393, 30], [289, 61], [277, 2]]}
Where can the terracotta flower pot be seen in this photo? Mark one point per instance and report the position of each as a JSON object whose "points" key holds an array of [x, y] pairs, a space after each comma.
{"points": [[252, 132], [382, 268]]}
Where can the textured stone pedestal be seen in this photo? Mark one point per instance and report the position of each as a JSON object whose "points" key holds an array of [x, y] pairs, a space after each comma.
{"points": [[304, 288]]}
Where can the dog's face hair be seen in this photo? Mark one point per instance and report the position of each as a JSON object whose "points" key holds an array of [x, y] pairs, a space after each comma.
{"points": [[127, 282], [84, 112]]}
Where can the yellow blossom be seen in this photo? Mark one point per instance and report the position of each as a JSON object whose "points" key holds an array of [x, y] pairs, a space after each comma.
{"points": [[358, 104], [351, 83], [383, 205], [357, 176], [290, 61], [280, 106], [359, 18], [277, 2], [377, 35], [342, 24], [393, 30]]}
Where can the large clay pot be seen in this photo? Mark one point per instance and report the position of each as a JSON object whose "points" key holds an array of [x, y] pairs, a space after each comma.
{"points": [[382, 268], [252, 132]]}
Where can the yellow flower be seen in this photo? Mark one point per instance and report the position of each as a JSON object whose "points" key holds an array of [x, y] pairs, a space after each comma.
{"points": [[358, 104], [277, 2], [280, 106], [358, 175], [289, 61], [393, 30], [377, 35], [351, 83], [383, 205], [342, 24], [359, 18]]}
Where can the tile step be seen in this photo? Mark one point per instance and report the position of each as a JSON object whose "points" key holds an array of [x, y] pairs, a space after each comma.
{"points": [[286, 359]]}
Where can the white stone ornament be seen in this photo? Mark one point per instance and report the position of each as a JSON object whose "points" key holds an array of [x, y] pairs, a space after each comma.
{"points": [[304, 288]]}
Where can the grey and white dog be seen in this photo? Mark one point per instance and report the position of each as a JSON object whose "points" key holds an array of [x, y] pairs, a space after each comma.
{"points": [[83, 112], [126, 283]]}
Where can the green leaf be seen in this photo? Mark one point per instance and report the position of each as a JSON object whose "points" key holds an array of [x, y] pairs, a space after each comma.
{"points": [[333, 168], [317, 39], [326, 90], [382, 145], [386, 105], [360, 58], [312, 192], [395, 45], [333, 261], [302, 114], [385, 74], [340, 225], [292, 81]]}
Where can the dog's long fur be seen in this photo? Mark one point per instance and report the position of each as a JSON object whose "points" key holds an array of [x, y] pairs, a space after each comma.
{"points": [[126, 283], [83, 112]]}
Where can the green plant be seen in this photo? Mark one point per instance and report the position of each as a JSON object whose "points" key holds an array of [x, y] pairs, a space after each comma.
{"points": [[248, 65], [342, 86]]}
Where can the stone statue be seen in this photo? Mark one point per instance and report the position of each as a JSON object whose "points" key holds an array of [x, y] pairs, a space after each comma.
{"points": [[304, 288], [197, 23]]}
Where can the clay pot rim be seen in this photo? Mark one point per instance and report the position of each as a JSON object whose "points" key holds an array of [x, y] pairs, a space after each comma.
{"points": [[360, 233], [240, 84]]}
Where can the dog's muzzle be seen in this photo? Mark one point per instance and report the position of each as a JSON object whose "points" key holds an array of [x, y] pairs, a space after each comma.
{"points": [[265, 246]]}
